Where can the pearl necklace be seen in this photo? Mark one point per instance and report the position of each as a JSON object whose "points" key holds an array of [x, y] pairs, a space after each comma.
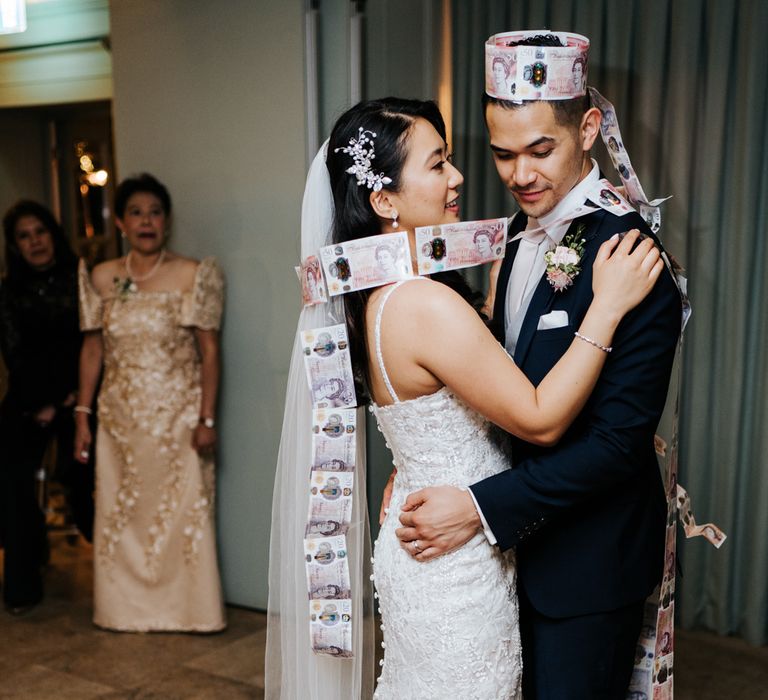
{"points": [[155, 268]]}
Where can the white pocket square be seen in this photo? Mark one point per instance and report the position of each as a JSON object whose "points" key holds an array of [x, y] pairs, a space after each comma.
{"points": [[554, 319]]}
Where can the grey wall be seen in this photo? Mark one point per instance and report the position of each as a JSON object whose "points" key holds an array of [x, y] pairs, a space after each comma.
{"points": [[209, 97]]}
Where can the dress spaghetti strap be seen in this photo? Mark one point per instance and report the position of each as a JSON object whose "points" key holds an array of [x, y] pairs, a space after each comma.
{"points": [[377, 336]]}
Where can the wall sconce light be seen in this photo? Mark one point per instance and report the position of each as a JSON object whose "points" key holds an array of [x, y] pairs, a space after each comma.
{"points": [[13, 16]]}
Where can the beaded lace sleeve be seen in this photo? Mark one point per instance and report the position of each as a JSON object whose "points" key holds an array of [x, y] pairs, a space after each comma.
{"points": [[203, 305], [89, 300]]}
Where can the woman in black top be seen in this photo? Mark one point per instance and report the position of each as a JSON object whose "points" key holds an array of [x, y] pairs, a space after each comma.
{"points": [[40, 342]]}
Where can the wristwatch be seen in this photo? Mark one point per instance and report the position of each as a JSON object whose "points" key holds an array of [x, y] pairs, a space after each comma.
{"points": [[207, 422]]}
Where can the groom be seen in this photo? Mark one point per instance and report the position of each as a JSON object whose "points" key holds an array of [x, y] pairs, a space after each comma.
{"points": [[586, 516]]}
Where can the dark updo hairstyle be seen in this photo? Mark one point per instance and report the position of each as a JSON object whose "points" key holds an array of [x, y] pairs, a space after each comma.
{"points": [[141, 183], [391, 119], [16, 267]]}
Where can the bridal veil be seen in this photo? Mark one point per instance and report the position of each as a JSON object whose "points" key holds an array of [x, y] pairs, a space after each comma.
{"points": [[292, 670]]}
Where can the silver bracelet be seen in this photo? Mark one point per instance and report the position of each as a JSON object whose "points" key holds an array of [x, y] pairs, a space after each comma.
{"points": [[82, 409], [592, 342]]}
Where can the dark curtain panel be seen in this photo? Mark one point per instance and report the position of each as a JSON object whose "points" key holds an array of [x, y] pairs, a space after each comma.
{"points": [[689, 80]]}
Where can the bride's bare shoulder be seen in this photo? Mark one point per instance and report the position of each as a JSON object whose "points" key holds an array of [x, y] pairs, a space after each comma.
{"points": [[423, 300]]}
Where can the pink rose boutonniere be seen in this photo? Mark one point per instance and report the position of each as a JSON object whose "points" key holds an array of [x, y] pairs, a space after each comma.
{"points": [[563, 261]]}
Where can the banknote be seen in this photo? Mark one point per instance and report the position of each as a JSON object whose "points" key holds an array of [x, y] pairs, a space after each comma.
{"points": [[330, 627], [325, 585], [604, 194], [640, 680], [366, 262], [328, 366], [334, 439], [662, 677], [500, 73], [643, 668], [670, 552], [709, 531], [312, 284], [328, 554], [665, 631], [326, 526], [330, 503], [667, 592], [645, 651], [453, 246], [549, 72], [664, 691]]}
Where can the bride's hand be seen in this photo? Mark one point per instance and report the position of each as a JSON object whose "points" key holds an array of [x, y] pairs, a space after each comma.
{"points": [[622, 277]]}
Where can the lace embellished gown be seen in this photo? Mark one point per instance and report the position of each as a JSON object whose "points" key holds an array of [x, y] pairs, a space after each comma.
{"points": [[155, 566], [451, 624]]}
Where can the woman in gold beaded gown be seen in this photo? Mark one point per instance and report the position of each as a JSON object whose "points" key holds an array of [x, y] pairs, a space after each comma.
{"points": [[151, 321]]}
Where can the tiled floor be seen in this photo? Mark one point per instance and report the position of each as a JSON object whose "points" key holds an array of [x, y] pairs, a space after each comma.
{"points": [[710, 667], [55, 653]]}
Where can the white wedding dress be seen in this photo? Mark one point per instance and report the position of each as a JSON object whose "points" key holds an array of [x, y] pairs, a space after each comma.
{"points": [[451, 624]]}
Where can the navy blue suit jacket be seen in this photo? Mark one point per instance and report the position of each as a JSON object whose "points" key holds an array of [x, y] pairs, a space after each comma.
{"points": [[587, 516]]}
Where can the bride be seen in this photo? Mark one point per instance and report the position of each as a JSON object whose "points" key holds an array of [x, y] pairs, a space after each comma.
{"points": [[438, 380]]}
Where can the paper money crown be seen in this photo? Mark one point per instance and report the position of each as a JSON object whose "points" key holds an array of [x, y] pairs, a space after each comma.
{"points": [[519, 73]]}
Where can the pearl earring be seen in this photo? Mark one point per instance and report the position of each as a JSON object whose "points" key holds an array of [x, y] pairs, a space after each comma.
{"points": [[394, 220]]}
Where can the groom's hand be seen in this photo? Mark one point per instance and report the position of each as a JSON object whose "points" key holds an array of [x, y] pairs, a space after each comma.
{"points": [[437, 520]]}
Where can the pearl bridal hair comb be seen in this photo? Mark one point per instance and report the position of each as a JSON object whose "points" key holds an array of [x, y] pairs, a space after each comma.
{"points": [[363, 157]]}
